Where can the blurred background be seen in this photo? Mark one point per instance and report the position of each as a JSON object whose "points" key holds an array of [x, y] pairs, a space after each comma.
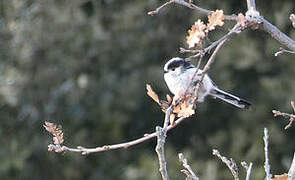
{"points": [[84, 64]]}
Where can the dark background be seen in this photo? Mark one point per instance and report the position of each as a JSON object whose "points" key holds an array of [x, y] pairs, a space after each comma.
{"points": [[84, 64]]}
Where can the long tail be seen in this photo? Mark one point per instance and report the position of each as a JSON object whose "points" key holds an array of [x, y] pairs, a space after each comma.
{"points": [[229, 98]]}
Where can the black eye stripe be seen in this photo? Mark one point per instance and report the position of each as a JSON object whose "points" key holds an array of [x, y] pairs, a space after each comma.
{"points": [[176, 64]]}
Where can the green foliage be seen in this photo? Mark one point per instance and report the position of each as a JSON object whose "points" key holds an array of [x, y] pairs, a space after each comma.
{"points": [[84, 64]]}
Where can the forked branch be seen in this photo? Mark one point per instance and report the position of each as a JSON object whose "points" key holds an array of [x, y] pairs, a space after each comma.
{"points": [[191, 6], [229, 163], [125, 145], [253, 17], [188, 170], [291, 117], [160, 148]]}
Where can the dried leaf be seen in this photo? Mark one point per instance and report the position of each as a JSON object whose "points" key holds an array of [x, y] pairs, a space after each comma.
{"points": [[169, 99], [152, 94], [242, 20], [56, 131], [280, 177], [215, 19], [196, 34], [184, 110]]}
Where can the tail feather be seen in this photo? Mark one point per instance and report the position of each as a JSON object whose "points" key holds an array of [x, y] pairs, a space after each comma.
{"points": [[229, 98]]}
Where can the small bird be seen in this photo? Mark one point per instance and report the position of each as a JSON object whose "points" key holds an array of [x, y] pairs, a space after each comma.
{"points": [[178, 75]]}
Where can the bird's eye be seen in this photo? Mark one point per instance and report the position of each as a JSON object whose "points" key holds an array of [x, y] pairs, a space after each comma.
{"points": [[173, 69]]}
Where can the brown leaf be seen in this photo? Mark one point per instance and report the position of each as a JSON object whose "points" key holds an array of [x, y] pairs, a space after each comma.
{"points": [[152, 94], [242, 20], [56, 131], [184, 110], [196, 34], [280, 177], [169, 99], [215, 19]]}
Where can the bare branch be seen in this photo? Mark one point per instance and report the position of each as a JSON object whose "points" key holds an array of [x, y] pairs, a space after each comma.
{"points": [[251, 5], [235, 30], [183, 50], [189, 172], [277, 34], [229, 163], [248, 169], [206, 68], [191, 6], [286, 115], [282, 51], [253, 17], [291, 173], [125, 145], [266, 163], [151, 13], [212, 57], [161, 138]]}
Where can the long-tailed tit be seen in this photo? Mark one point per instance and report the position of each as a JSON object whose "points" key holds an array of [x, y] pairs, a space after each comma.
{"points": [[179, 74]]}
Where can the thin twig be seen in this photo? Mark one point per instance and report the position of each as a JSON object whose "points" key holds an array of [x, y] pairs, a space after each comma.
{"points": [[282, 51], [194, 51], [125, 145], [189, 172], [229, 163], [286, 115], [253, 17], [191, 6], [235, 30], [212, 57], [206, 68], [248, 169], [258, 21], [151, 13], [277, 34], [291, 173], [266, 163], [160, 148]]}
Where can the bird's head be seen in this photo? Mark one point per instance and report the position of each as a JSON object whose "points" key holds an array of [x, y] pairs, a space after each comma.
{"points": [[176, 66]]}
